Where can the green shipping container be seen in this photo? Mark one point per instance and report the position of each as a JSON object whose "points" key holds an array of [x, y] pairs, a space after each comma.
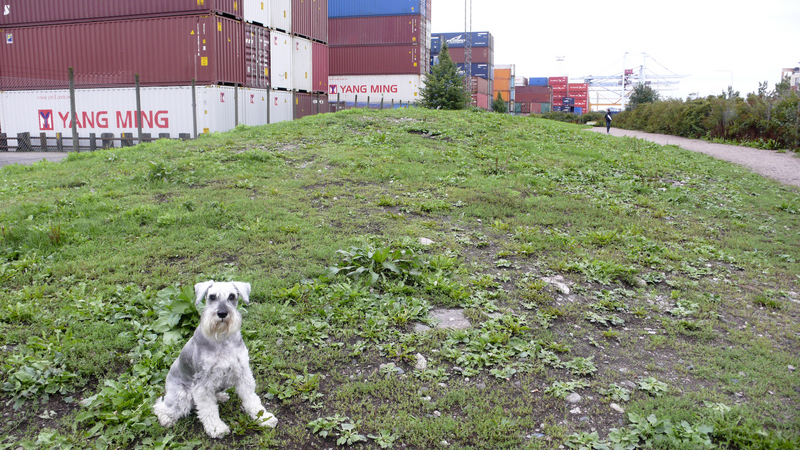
{"points": [[545, 108]]}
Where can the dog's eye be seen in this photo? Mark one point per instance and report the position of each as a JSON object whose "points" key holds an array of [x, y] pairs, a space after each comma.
{"points": [[232, 297], [212, 297]]}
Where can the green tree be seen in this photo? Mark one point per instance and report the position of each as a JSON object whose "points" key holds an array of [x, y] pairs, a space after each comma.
{"points": [[444, 87], [499, 105], [642, 93]]}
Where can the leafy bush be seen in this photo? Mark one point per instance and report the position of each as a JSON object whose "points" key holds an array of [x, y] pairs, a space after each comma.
{"points": [[763, 120]]}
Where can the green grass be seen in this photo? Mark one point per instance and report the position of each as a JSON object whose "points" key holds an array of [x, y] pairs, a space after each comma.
{"points": [[682, 275]]}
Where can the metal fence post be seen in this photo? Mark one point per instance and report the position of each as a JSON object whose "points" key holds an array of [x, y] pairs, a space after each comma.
{"points": [[138, 111], [75, 142], [194, 110]]}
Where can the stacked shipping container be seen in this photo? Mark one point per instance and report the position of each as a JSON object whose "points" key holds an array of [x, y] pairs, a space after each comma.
{"points": [[482, 61], [378, 50], [504, 84], [247, 45]]}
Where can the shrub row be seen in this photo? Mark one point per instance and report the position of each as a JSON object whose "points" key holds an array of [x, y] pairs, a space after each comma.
{"points": [[761, 120]]}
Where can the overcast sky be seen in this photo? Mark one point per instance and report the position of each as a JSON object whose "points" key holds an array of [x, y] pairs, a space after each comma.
{"points": [[711, 41]]}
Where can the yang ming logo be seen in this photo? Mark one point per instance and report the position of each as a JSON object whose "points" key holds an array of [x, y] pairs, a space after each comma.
{"points": [[45, 119]]}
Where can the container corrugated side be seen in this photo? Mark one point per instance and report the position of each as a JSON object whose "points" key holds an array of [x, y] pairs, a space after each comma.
{"points": [[400, 88], [281, 15], [301, 64], [360, 8], [483, 55], [537, 81], [39, 12], [256, 11], [378, 60], [458, 40], [280, 106], [319, 20], [380, 30], [310, 104], [558, 81], [478, 70], [256, 56], [319, 67], [482, 101], [281, 60], [253, 106], [301, 18], [206, 48]]}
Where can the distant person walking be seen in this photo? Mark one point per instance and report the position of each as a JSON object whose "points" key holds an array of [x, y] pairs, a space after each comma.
{"points": [[608, 121]]}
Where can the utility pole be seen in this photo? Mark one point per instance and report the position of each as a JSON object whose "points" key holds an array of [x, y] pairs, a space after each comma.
{"points": [[468, 47]]}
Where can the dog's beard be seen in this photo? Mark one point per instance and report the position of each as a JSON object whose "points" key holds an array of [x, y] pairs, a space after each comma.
{"points": [[218, 329]]}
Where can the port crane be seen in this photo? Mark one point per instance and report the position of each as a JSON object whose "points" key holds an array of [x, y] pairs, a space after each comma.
{"points": [[613, 91]]}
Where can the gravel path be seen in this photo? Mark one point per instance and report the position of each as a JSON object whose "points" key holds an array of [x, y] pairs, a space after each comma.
{"points": [[28, 158], [784, 167]]}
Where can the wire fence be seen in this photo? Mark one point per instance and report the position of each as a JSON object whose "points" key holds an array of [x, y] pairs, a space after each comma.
{"points": [[86, 113]]}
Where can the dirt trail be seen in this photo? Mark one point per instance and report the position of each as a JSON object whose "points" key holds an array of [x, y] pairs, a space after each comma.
{"points": [[784, 167]]}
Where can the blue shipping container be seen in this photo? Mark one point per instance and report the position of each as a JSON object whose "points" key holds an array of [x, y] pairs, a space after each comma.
{"points": [[478, 70], [436, 44], [537, 81], [365, 8], [457, 40]]}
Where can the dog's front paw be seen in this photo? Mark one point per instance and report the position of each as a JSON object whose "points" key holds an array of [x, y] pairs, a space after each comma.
{"points": [[267, 419], [217, 430]]}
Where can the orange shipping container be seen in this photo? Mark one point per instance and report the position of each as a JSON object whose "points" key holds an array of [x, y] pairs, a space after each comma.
{"points": [[502, 73]]}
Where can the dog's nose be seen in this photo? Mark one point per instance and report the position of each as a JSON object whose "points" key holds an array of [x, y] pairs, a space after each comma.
{"points": [[222, 314]]}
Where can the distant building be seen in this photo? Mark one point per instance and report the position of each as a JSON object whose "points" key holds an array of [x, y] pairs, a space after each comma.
{"points": [[794, 77]]}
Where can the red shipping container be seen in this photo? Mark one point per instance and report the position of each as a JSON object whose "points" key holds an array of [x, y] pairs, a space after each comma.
{"points": [[319, 67], [164, 51], [256, 56], [319, 20], [526, 97], [376, 30], [580, 87], [481, 101], [480, 55], [301, 18], [554, 81], [39, 12], [561, 88], [524, 108], [578, 95], [480, 85], [309, 104], [581, 103], [377, 60], [533, 89]]}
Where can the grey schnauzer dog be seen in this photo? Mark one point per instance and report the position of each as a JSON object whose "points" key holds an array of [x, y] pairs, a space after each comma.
{"points": [[213, 360]]}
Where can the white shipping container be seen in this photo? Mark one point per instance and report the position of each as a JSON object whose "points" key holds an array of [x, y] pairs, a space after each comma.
{"points": [[256, 11], [301, 64], [400, 88], [113, 110], [253, 106], [281, 60], [281, 15], [280, 107]]}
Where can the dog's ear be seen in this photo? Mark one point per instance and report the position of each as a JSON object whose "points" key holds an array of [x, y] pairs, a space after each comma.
{"points": [[200, 290], [243, 289]]}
